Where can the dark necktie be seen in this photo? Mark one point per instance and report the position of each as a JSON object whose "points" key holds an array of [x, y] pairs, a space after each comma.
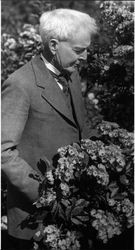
{"points": [[63, 79]]}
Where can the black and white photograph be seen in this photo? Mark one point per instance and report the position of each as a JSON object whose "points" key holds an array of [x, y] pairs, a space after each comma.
{"points": [[67, 125]]}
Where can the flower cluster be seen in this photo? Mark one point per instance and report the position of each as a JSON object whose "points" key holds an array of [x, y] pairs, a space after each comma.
{"points": [[110, 155], [106, 224], [93, 99], [116, 12], [126, 208], [16, 51], [4, 222], [122, 50], [89, 189], [29, 38], [100, 173], [54, 239], [10, 42], [117, 135]]}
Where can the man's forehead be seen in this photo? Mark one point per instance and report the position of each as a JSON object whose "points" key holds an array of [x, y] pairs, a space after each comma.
{"points": [[81, 43], [81, 40]]}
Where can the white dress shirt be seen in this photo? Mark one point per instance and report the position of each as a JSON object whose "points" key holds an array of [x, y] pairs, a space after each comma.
{"points": [[53, 69]]}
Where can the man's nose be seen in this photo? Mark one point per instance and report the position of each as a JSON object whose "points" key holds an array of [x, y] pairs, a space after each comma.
{"points": [[83, 55]]}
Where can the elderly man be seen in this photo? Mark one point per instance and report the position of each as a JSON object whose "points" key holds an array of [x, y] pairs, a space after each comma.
{"points": [[42, 110]]}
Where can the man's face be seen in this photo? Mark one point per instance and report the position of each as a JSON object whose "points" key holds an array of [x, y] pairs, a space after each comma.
{"points": [[70, 53]]}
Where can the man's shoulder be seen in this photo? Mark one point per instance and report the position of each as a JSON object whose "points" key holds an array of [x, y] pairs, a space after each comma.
{"points": [[24, 70], [23, 75]]}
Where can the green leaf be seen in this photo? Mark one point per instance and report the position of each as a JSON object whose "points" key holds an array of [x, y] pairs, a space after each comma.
{"points": [[77, 146], [124, 180], [41, 216], [77, 174], [76, 222], [38, 236], [114, 192], [61, 212], [77, 210], [65, 202], [83, 218], [54, 207], [80, 202], [118, 196], [42, 166], [68, 212], [86, 159], [112, 186]]}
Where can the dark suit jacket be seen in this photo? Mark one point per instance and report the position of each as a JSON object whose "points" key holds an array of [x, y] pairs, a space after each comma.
{"points": [[35, 123]]}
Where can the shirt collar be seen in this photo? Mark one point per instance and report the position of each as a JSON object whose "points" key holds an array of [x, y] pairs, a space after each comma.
{"points": [[50, 66]]}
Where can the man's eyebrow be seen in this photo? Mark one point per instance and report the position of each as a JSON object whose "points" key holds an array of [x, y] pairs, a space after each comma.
{"points": [[81, 47]]}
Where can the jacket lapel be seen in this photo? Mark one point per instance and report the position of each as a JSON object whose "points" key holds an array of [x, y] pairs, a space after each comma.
{"points": [[77, 98], [51, 91]]}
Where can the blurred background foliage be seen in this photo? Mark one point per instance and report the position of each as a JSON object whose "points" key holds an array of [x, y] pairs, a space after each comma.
{"points": [[108, 75]]}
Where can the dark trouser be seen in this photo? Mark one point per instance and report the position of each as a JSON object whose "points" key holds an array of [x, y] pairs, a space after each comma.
{"points": [[18, 244]]}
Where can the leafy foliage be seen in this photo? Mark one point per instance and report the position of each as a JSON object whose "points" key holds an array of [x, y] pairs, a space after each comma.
{"points": [[16, 51], [110, 63], [89, 191]]}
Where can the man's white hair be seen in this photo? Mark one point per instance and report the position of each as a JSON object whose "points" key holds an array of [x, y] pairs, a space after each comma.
{"points": [[64, 24]]}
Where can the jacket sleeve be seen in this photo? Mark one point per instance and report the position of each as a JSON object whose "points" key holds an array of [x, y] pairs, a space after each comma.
{"points": [[15, 108]]}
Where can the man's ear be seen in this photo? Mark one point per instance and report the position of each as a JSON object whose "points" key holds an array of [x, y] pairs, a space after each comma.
{"points": [[53, 45]]}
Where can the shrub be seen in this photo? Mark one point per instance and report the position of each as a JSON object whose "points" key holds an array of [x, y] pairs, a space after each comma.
{"points": [[16, 51], [88, 194], [110, 63]]}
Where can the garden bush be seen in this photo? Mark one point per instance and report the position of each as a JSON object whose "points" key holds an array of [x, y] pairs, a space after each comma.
{"points": [[87, 196], [110, 65]]}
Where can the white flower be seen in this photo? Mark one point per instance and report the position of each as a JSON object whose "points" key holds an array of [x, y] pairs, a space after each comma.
{"points": [[51, 196], [94, 223], [51, 237], [93, 212], [42, 200], [95, 101], [101, 152], [50, 229], [91, 96], [62, 244], [4, 222], [95, 173], [38, 233], [49, 176], [35, 247], [111, 202], [10, 43], [106, 67], [4, 219]]}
